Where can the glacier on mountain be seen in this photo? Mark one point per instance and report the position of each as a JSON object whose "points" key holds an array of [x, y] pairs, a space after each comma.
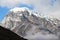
{"points": [[29, 25]]}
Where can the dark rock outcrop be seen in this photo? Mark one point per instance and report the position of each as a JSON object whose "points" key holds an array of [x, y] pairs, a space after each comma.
{"points": [[6, 34]]}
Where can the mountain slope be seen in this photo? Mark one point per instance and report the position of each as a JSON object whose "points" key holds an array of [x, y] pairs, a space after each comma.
{"points": [[25, 23]]}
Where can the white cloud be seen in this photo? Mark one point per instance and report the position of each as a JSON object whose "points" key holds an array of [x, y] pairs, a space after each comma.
{"points": [[40, 36], [11, 3], [46, 7]]}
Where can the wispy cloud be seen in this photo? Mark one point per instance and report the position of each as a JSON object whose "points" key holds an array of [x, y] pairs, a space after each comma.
{"points": [[13, 3], [46, 7]]}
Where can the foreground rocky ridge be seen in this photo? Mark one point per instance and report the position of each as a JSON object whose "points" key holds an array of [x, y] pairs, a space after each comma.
{"points": [[26, 24], [6, 34]]}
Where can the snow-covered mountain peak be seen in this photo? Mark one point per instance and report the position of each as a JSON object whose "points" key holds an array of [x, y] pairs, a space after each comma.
{"points": [[31, 26], [16, 9]]}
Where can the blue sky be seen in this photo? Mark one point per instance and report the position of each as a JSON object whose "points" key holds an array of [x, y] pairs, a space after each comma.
{"points": [[45, 7], [3, 12]]}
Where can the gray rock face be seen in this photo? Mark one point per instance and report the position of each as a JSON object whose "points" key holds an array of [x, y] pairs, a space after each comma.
{"points": [[28, 25]]}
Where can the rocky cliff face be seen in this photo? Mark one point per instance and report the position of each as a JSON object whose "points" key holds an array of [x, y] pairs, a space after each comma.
{"points": [[29, 25]]}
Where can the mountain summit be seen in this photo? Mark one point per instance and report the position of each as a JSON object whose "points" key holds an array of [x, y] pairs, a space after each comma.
{"points": [[29, 25]]}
